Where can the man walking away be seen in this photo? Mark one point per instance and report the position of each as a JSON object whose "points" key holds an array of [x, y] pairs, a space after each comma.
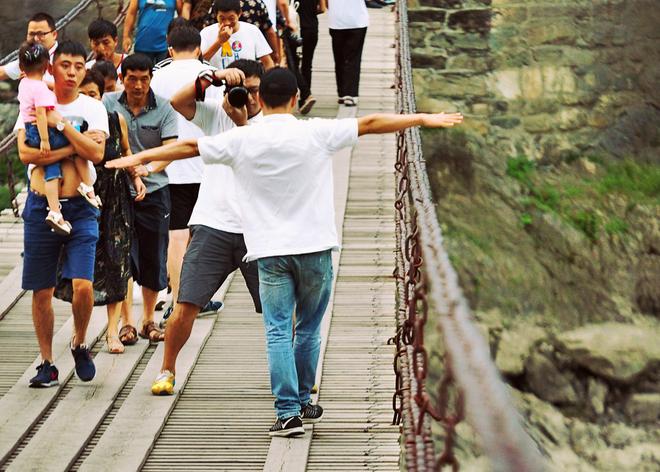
{"points": [[289, 233], [348, 21]]}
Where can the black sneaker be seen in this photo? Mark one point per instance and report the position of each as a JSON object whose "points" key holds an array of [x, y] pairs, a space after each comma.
{"points": [[311, 413], [288, 427], [47, 376], [85, 369], [212, 307]]}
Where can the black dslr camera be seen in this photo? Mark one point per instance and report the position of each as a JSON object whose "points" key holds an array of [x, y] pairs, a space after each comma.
{"points": [[237, 95]]}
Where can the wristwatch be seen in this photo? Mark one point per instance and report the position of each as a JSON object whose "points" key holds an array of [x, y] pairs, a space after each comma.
{"points": [[149, 168], [60, 125]]}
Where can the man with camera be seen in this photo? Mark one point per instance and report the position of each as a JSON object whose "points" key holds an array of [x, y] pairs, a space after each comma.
{"points": [[217, 247], [184, 176]]}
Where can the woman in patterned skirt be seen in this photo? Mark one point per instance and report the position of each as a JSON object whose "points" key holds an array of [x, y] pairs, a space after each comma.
{"points": [[112, 269]]}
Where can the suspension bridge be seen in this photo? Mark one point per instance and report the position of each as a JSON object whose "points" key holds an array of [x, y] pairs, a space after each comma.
{"points": [[392, 278]]}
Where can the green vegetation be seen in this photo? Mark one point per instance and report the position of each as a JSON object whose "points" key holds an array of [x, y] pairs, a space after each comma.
{"points": [[19, 176], [576, 199]]}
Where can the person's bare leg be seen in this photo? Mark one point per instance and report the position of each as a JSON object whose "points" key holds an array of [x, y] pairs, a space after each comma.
{"points": [[83, 172], [149, 299], [176, 249], [82, 304], [52, 190], [43, 319], [127, 306], [177, 332]]}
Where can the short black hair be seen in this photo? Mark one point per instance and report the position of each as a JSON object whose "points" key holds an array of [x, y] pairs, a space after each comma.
{"points": [[136, 62], [101, 28], [249, 67], [94, 77], [227, 5], [33, 57], [184, 38], [41, 16], [177, 22], [277, 87], [106, 68], [72, 48]]}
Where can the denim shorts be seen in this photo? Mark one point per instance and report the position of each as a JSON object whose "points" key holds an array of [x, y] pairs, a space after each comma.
{"points": [[56, 139], [42, 247]]}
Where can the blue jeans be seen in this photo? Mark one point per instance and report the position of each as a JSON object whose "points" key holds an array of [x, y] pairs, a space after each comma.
{"points": [[303, 283]]}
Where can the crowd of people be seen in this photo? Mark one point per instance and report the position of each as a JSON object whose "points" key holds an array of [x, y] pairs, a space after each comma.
{"points": [[180, 160]]}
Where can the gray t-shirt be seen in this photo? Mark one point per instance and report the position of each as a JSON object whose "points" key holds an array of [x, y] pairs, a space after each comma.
{"points": [[156, 123]]}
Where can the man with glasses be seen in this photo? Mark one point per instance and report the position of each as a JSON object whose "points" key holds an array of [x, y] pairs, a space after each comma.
{"points": [[40, 29]]}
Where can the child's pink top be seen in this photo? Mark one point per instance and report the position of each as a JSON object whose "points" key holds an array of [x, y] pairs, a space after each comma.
{"points": [[32, 94]]}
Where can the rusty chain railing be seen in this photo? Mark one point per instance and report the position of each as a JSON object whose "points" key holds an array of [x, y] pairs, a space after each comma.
{"points": [[470, 385], [9, 141]]}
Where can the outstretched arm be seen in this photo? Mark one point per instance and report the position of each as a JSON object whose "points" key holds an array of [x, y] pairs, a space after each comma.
{"points": [[379, 123], [169, 152]]}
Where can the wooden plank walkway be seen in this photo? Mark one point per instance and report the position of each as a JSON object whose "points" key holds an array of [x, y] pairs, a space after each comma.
{"points": [[219, 417]]}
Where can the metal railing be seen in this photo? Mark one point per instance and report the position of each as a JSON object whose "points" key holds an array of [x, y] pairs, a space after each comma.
{"points": [[9, 141], [470, 386]]}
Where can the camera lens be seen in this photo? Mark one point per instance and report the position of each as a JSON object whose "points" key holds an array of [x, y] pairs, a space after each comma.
{"points": [[237, 96]]}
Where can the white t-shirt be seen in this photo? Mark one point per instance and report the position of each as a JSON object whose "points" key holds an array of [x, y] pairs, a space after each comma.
{"points": [[284, 173], [271, 6], [246, 43], [83, 108], [347, 14], [13, 70], [217, 203], [165, 83]]}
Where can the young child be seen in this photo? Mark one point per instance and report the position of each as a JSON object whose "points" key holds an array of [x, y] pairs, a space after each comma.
{"points": [[35, 99]]}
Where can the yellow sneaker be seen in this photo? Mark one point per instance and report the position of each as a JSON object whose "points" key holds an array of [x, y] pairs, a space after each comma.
{"points": [[164, 384]]}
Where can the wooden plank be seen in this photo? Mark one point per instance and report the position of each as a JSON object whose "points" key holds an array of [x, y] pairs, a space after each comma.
{"points": [[131, 435], [60, 440], [10, 289], [21, 407]]}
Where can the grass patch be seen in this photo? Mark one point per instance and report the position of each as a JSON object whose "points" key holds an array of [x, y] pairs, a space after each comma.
{"points": [[573, 198]]}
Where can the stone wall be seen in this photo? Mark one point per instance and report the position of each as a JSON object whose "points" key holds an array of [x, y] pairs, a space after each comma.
{"points": [[545, 79]]}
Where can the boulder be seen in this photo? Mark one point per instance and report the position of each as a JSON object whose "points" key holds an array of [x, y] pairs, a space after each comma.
{"points": [[643, 407], [514, 348], [548, 382], [615, 351]]}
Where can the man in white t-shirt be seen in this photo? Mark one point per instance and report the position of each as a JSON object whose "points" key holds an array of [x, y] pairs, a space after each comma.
{"points": [[42, 247], [283, 169], [217, 247], [230, 39], [348, 21], [184, 176], [40, 29]]}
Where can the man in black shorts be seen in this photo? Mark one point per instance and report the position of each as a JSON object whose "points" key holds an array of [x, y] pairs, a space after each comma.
{"points": [[217, 247], [151, 123]]}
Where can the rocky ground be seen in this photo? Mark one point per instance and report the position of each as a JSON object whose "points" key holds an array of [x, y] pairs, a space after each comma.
{"points": [[562, 269]]}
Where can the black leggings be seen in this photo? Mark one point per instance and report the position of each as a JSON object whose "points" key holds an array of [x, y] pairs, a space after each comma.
{"points": [[347, 47]]}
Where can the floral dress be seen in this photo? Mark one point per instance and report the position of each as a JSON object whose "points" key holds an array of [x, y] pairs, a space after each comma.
{"points": [[112, 267]]}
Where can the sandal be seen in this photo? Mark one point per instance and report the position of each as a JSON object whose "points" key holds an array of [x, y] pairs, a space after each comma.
{"points": [[128, 335], [57, 223], [115, 346], [152, 332], [85, 190]]}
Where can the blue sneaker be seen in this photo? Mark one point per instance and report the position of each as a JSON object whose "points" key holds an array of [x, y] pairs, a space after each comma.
{"points": [[47, 376], [166, 315], [85, 369], [212, 307]]}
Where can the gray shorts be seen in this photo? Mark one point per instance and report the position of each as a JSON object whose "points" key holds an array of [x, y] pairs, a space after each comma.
{"points": [[211, 256]]}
